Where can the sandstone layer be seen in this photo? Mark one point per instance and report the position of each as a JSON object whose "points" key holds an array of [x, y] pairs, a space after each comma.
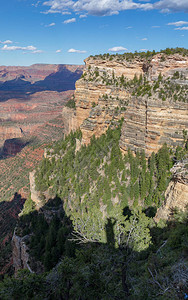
{"points": [[160, 63], [96, 106], [151, 123]]}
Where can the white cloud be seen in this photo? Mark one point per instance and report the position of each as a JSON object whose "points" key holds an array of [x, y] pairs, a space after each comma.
{"points": [[73, 20], [82, 16], [6, 42], [58, 51], [15, 48], [117, 49], [128, 27], [171, 5], [37, 51], [181, 28], [111, 7], [179, 23], [93, 7], [144, 39], [50, 25], [76, 51], [155, 26]]}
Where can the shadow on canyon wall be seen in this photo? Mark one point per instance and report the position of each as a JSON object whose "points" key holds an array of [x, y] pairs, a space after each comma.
{"points": [[62, 80], [8, 217]]}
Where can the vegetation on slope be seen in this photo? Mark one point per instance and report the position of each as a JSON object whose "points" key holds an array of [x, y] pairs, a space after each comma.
{"points": [[170, 89], [142, 54], [99, 176], [99, 227], [102, 271]]}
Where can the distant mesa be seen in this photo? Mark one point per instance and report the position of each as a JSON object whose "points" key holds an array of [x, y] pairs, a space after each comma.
{"points": [[19, 81]]}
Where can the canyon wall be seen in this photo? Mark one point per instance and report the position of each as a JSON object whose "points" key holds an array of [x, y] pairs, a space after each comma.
{"points": [[149, 122], [37, 73], [160, 63], [176, 196], [96, 106], [30, 97]]}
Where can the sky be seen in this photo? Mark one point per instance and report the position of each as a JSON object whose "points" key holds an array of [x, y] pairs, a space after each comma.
{"points": [[68, 31]]}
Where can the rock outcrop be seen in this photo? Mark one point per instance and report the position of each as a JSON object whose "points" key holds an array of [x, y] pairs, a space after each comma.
{"points": [[20, 253], [35, 195], [176, 195], [167, 65], [69, 119], [160, 63], [149, 123]]}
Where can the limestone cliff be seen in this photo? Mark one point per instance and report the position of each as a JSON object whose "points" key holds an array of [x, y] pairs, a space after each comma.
{"points": [[149, 123], [159, 63], [150, 119], [176, 195]]}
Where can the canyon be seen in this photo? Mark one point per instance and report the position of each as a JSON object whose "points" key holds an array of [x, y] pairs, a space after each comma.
{"points": [[33, 106], [30, 97], [31, 101]]}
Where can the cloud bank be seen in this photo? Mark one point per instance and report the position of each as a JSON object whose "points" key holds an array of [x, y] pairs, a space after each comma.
{"points": [[112, 7]]}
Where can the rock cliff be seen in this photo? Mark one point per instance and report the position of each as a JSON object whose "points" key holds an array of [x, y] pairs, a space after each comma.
{"points": [[20, 253], [35, 195], [96, 106], [176, 195], [150, 119], [159, 63], [149, 123]]}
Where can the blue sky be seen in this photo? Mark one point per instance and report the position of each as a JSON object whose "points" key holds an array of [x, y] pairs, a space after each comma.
{"points": [[67, 31]]}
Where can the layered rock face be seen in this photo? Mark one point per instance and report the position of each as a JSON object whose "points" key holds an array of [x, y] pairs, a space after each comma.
{"points": [[124, 67], [70, 121], [160, 63], [149, 123], [96, 106], [176, 195], [167, 65]]}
